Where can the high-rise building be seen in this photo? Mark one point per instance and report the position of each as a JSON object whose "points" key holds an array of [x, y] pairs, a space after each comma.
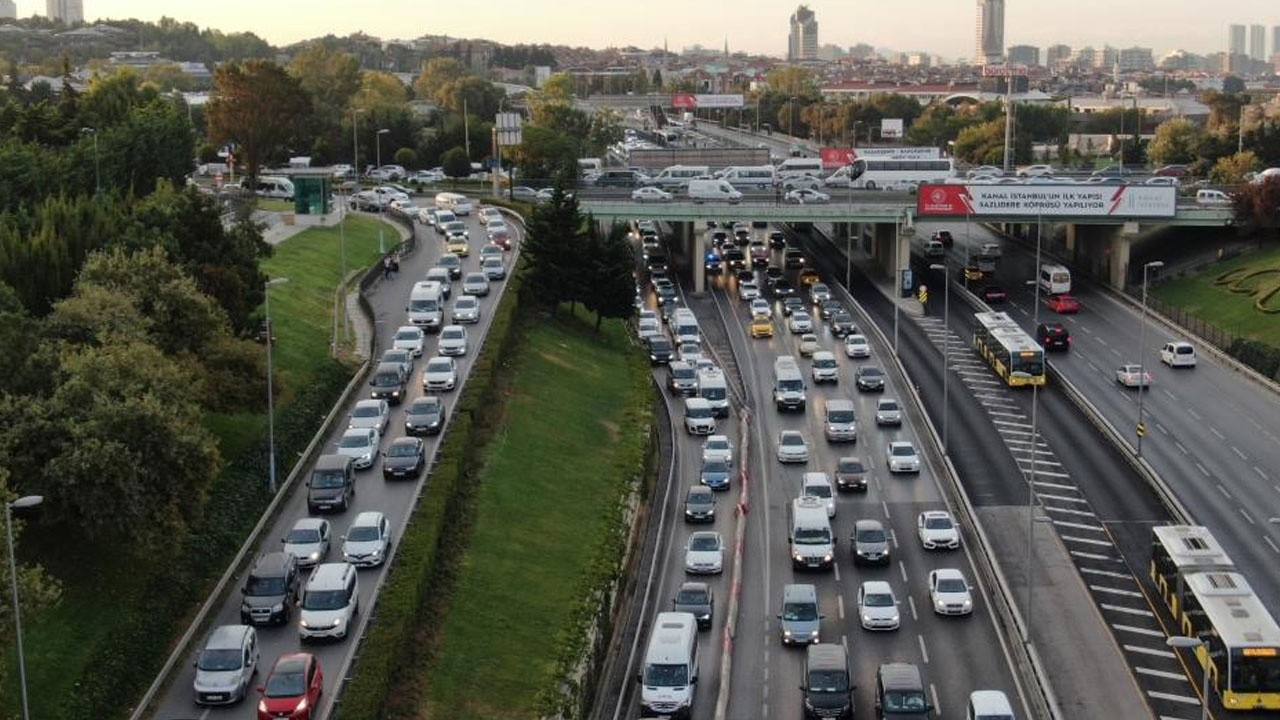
{"points": [[1056, 56], [1235, 40], [803, 40], [67, 11], [8, 9], [989, 32], [1257, 42], [1028, 55]]}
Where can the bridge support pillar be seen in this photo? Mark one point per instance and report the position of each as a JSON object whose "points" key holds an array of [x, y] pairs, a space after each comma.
{"points": [[696, 242], [887, 246]]}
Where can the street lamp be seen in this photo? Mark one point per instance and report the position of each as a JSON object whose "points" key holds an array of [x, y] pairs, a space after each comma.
{"points": [[97, 167], [382, 201], [1123, 98], [1194, 644], [1142, 346], [21, 503], [271, 403], [946, 349]]}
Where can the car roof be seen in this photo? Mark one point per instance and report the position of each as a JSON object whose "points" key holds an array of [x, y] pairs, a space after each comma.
{"points": [[868, 524], [877, 587], [901, 443], [936, 513], [357, 432], [370, 403], [407, 440], [227, 636], [309, 523], [826, 656], [948, 574], [368, 517]]}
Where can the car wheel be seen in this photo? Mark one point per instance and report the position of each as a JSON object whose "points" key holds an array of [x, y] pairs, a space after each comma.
{"points": [[871, 185]]}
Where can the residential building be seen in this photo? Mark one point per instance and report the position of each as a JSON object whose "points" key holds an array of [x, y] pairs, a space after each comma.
{"points": [[66, 11], [1057, 56], [1257, 43], [802, 43], [8, 9], [989, 32], [1107, 59], [1136, 58], [1028, 55]]}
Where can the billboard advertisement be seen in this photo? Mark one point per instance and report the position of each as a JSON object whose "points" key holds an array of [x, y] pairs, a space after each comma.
{"points": [[835, 157], [1153, 201], [891, 128], [693, 101]]}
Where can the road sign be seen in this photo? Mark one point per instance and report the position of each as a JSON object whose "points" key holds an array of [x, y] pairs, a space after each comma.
{"points": [[1142, 429], [923, 294]]}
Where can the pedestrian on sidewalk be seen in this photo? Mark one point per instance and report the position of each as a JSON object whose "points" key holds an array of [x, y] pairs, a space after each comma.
{"points": [[395, 265], [386, 267]]}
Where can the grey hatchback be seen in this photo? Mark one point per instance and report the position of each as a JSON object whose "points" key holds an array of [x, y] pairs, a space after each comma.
{"points": [[696, 598], [699, 504]]}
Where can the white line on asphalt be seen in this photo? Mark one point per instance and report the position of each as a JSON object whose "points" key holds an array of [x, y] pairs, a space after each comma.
{"points": [[1008, 414], [1261, 473], [1215, 431], [1202, 469], [1150, 651], [912, 602], [840, 606], [1061, 486], [1114, 591], [1087, 541], [1224, 491], [902, 567], [1091, 556], [1106, 573], [924, 651], [1020, 425], [1180, 447], [1168, 394], [1079, 526], [1138, 630], [1245, 513], [885, 506], [1270, 542], [835, 566], [1064, 498], [1160, 673], [1174, 698], [1194, 414], [1236, 450], [1084, 513], [1050, 473], [937, 707]]}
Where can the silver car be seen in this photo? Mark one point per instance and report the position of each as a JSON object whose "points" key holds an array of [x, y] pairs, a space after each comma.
{"points": [[493, 268], [792, 447], [475, 283], [441, 373], [361, 445], [370, 414], [704, 553], [308, 541], [878, 606], [408, 337], [368, 540], [466, 309], [901, 457], [888, 412], [453, 340]]}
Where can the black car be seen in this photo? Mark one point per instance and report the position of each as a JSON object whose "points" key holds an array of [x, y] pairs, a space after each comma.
{"points": [[772, 274], [699, 504], [869, 378], [403, 458], [777, 239], [745, 276], [1053, 336], [793, 258], [829, 308], [842, 324], [782, 287], [660, 350], [792, 304], [993, 294], [425, 416], [944, 237], [696, 598], [735, 259]]}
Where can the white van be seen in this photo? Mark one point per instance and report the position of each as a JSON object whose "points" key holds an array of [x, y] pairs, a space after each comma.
{"points": [[274, 187], [840, 421], [989, 705], [670, 673], [713, 190], [457, 203], [678, 176], [788, 384], [713, 388], [699, 416], [1055, 279], [330, 601], [1212, 197], [810, 536], [1178, 353], [426, 305], [684, 325], [759, 176], [795, 167], [589, 165]]}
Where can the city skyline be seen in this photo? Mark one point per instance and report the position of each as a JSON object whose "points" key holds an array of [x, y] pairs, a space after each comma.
{"points": [[939, 27]]}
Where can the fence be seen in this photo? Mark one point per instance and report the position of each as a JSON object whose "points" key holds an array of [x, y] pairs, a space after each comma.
{"points": [[1212, 334]]}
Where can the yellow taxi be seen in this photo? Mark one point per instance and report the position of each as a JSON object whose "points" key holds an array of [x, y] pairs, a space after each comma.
{"points": [[458, 246], [808, 276], [761, 326]]}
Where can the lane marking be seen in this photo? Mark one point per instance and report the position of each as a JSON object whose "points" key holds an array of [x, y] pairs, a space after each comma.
{"points": [[1080, 526], [1115, 591], [1069, 511], [924, 651], [1138, 630], [1236, 450], [936, 705], [1194, 414], [1160, 673], [840, 606], [1180, 447], [1245, 513], [1107, 573], [1174, 698], [1224, 492], [1150, 651], [1064, 498], [1092, 556], [912, 602], [1215, 431], [1270, 542], [1261, 473], [1202, 469], [1050, 473], [902, 568], [1161, 428], [1088, 541], [1061, 486]]}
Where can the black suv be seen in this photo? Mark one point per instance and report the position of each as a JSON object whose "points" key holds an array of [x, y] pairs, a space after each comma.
{"points": [[270, 590], [1053, 336], [660, 350]]}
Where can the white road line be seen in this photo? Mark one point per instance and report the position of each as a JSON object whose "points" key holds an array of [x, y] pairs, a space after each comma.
{"points": [[1137, 630], [1128, 611], [1087, 541], [1061, 486], [1202, 469], [1180, 447], [1224, 492], [1272, 543], [924, 651], [1161, 429], [1106, 573], [1174, 698], [912, 602], [1008, 414], [1215, 431], [1160, 673], [840, 606], [1168, 394], [1020, 425], [1261, 473], [1064, 498], [1194, 414], [937, 707], [1084, 513], [1150, 651], [1050, 473], [1245, 513], [1090, 556], [885, 506], [1115, 591], [1080, 526], [836, 568], [902, 568], [1236, 450]]}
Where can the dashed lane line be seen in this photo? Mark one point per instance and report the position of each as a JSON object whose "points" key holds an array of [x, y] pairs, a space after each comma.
{"points": [[1115, 591], [1082, 526], [1138, 630], [1087, 541], [1174, 698], [1109, 573], [1064, 498], [1161, 673], [1057, 486], [1068, 511], [1150, 651]]}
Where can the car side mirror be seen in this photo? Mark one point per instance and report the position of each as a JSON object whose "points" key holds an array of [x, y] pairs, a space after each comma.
{"points": [[244, 591], [779, 616], [822, 617], [638, 678], [804, 688]]}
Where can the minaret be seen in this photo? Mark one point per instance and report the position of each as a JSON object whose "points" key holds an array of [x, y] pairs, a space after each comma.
{"points": [[726, 48]]}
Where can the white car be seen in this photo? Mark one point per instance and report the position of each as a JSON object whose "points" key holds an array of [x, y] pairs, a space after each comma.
{"points": [[368, 540], [761, 308], [856, 346], [489, 214], [792, 447], [937, 531], [370, 414], [408, 337], [689, 352], [647, 327], [1178, 354], [809, 345], [807, 196], [818, 484], [704, 555], [1133, 376], [878, 606], [466, 309], [800, 322], [748, 290], [802, 182], [361, 445], [495, 226], [651, 194], [901, 457], [888, 412], [985, 171], [453, 340], [1035, 171], [718, 447], [308, 541], [441, 373], [475, 283], [493, 268], [949, 592], [990, 250]]}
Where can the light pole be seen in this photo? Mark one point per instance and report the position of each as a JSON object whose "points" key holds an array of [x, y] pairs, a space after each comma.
{"points": [[355, 142], [1142, 346], [97, 167], [897, 277], [1123, 98], [271, 402], [1194, 645], [382, 201], [22, 503], [946, 350]]}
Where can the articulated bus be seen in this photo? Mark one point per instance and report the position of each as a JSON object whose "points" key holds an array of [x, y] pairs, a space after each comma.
{"points": [[899, 173], [1016, 358], [1209, 600]]}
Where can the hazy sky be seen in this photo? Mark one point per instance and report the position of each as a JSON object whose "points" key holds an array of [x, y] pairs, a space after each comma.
{"points": [[943, 27]]}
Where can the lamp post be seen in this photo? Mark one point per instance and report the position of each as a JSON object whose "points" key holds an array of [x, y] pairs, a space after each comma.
{"points": [[382, 201], [1194, 644], [791, 117], [897, 275], [1142, 346], [355, 142], [271, 402], [1123, 111], [97, 167], [22, 503], [946, 350]]}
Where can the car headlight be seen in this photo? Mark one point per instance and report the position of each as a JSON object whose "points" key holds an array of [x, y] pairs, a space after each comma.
{"points": [[278, 607], [303, 622], [814, 634], [314, 556], [786, 633], [337, 622], [968, 605], [866, 618], [828, 557], [262, 707], [940, 604], [797, 557]]}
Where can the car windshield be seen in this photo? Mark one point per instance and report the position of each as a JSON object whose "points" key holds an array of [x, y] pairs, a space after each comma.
{"points": [[903, 451], [952, 585], [354, 441], [303, 536], [792, 440], [464, 304], [717, 445], [828, 681], [850, 466], [699, 498], [219, 660], [822, 491], [402, 450], [898, 701], [813, 536], [692, 597], [265, 586], [824, 362], [840, 416], [363, 533], [328, 480], [325, 600], [285, 684], [799, 612], [408, 335], [870, 372], [421, 305], [448, 261], [715, 466], [937, 523], [370, 411], [451, 335], [666, 675], [877, 600], [437, 366], [424, 407], [874, 535], [889, 405], [704, 543]]}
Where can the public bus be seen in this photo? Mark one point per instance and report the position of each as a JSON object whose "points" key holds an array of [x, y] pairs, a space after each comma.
{"points": [[1012, 353], [1209, 600], [1055, 279], [901, 173]]}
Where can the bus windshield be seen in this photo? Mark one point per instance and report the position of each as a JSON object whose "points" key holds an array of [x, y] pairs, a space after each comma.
{"points": [[1253, 674]]}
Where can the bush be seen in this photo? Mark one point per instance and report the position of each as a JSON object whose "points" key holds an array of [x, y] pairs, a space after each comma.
{"points": [[1257, 355]]}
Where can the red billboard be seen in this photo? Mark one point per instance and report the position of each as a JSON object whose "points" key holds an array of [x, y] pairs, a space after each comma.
{"points": [[1048, 200], [835, 157]]}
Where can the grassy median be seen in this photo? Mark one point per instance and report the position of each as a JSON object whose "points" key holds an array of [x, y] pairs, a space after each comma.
{"points": [[577, 408], [1225, 294]]}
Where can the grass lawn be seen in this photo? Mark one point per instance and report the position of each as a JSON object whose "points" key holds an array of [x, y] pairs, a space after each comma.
{"points": [[1233, 312], [538, 519], [58, 646]]}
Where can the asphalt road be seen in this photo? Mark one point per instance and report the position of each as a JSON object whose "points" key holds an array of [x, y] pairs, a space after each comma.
{"points": [[393, 498]]}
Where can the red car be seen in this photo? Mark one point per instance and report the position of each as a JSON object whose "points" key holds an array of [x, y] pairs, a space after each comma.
{"points": [[1064, 304], [994, 294], [292, 689], [501, 239]]}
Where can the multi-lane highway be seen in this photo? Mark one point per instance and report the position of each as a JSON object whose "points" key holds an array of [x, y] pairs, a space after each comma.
{"points": [[393, 498]]}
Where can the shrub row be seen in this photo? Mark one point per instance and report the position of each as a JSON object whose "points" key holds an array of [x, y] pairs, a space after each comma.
{"points": [[1257, 355], [434, 533], [126, 660]]}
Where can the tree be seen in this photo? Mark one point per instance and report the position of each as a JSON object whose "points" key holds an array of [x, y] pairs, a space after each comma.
{"points": [[257, 105], [18, 336], [610, 292], [455, 163], [37, 590], [436, 74], [982, 144], [546, 154], [1232, 85], [1257, 207], [606, 129], [1176, 141], [554, 251], [477, 96], [1231, 169]]}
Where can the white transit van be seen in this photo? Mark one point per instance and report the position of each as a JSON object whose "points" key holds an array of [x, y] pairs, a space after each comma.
{"points": [[812, 542], [713, 388], [760, 176], [274, 187], [1055, 279], [678, 176], [788, 384], [684, 325], [426, 305], [713, 190], [795, 167], [1212, 197], [456, 203], [670, 673]]}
